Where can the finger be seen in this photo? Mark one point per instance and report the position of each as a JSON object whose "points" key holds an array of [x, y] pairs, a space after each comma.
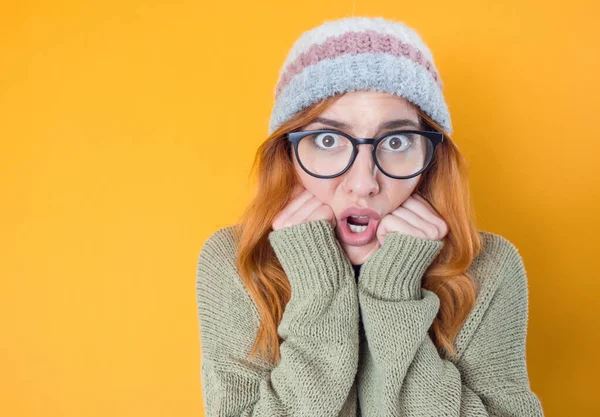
{"points": [[291, 208], [324, 212], [303, 212], [437, 218], [399, 225], [424, 209], [423, 200], [429, 229]]}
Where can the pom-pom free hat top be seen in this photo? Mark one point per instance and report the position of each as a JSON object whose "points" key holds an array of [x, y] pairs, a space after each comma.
{"points": [[359, 53]]}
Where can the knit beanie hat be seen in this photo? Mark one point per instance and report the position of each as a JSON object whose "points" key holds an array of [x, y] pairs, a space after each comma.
{"points": [[359, 53]]}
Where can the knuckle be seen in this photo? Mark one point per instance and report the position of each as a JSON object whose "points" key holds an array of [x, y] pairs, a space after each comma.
{"points": [[444, 228], [430, 231]]}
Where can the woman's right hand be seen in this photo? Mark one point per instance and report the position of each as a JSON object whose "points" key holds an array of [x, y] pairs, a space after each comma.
{"points": [[303, 208]]}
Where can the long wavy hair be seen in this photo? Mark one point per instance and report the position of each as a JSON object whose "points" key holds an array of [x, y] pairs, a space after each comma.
{"points": [[444, 184]]}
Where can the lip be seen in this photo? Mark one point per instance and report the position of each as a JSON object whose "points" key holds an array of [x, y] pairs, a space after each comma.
{"points": [[359, 211], [358, 239]]}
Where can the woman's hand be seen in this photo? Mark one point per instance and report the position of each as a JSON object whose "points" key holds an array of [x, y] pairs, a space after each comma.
{"points": [[415, 217], [303, 208]]}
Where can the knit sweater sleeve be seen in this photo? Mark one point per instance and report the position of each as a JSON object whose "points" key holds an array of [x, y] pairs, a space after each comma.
{"points": [[404, 375], [319, 329]]}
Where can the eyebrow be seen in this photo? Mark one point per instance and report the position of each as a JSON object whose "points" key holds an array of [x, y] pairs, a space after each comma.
{"points": [[390, 124]]}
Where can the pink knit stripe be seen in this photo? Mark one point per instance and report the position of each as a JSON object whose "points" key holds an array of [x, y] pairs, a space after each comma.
{"points": [[355, 43]]}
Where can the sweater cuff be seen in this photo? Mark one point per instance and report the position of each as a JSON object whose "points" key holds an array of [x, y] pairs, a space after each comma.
{"points": [[312, 257], [395, 270]]}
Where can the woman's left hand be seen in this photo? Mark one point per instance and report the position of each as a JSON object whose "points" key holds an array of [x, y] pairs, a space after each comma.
{"points": [[415, 217]]}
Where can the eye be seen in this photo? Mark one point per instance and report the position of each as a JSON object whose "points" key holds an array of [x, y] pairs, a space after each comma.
{"points": [[328, 140], [396, 143]]}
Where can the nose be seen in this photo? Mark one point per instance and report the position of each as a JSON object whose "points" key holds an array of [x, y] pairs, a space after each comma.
{"points": [[360, 179]]}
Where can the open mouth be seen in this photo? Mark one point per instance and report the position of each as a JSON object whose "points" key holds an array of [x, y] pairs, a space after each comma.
{"points": [[358, 224]]}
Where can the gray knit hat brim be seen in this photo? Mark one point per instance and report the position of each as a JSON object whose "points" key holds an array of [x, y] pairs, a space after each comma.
{"points": [[368, 71]]}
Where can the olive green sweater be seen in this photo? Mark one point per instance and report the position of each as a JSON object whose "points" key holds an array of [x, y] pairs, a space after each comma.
{"points": [[359, 346]]}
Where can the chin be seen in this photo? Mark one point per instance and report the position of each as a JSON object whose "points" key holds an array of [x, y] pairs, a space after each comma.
{"points": [[358, 254]]}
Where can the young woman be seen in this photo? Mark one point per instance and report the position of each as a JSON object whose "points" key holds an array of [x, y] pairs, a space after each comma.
{"points": [[356, 282]]}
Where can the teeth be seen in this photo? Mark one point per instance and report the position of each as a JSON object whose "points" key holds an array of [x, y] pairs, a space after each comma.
{"points": [[357, 229], [360, 217]]}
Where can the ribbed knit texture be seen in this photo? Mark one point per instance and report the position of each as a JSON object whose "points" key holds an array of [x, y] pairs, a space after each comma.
{"points": [[359, 53], [360, 347]]}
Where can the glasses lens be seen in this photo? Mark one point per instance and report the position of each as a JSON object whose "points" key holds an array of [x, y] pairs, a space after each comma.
{"points": [[325, 153], [404, 154]]}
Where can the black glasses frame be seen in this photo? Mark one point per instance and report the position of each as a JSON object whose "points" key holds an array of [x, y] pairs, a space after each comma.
{"points": [[434, 136]]}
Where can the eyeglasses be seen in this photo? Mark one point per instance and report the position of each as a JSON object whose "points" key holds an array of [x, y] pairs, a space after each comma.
{"points": [[401, 154]]}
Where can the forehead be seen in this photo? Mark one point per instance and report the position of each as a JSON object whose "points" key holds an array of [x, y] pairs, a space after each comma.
{"points": [[369, 106]]}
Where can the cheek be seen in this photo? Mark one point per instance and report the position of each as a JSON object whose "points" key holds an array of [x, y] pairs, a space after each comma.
{"points": [[323, 189], [400, 190]]}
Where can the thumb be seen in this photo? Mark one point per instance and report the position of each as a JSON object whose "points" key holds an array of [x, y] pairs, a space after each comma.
{"points": [[381, 232]]}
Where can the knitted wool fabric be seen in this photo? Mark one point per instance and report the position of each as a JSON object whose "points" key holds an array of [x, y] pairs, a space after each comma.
{"points": [[359, 53], [360, 346]]}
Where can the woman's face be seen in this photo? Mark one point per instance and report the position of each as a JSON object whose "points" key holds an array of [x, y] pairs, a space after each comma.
{"points": [[363, 185]]}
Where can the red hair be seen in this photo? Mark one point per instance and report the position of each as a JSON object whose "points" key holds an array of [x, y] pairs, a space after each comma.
{"points": [[444, 184]]}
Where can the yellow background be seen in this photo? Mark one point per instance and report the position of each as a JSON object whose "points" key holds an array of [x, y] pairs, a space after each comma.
{"points": [[128, 129]]}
